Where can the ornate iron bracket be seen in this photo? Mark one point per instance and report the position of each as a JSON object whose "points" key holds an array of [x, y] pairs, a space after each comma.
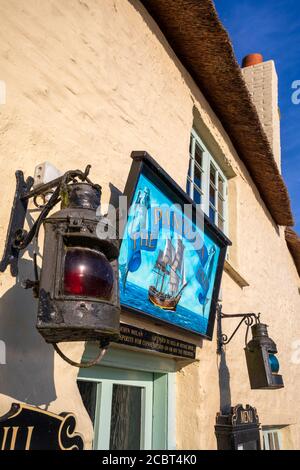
{"points": [[248, 318], [17, 238], [16, 223]]}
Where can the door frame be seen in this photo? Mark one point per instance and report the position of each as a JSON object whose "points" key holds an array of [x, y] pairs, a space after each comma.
{"points": [[164, 387], [105, 378]]}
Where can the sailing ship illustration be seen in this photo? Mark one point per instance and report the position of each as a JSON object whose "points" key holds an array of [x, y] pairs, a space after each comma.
{"points": [[170, 276]]}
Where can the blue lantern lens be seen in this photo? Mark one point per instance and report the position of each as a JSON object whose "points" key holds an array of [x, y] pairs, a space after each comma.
{"points": [[274, 363]]}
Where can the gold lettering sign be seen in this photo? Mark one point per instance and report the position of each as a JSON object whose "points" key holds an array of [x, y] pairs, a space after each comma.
{"points": [[144, 339], [26, 427], [10, 437]]}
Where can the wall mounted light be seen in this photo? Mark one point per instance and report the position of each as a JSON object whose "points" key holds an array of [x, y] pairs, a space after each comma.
{"points": [[260, 351], [262, 362], [78, 287]]}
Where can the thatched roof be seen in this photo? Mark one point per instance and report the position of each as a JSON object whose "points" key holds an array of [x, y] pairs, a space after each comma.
{"points": [[199, 40], [293, 242]]}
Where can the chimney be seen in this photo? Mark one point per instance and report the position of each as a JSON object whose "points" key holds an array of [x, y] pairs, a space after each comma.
{"points": [[262, 81]]}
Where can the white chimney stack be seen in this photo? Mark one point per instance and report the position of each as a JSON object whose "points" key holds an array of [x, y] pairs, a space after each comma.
{"points": [[262, 81]]}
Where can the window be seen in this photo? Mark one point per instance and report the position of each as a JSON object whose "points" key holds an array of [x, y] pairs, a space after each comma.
{"points": [[206, 183], [272, 439]]}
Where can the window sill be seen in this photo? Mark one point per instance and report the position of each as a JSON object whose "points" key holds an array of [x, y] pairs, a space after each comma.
{"points": [[235, 275]]}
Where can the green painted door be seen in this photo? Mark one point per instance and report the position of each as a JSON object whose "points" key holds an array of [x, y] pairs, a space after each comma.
{"points": [[120, 405]]}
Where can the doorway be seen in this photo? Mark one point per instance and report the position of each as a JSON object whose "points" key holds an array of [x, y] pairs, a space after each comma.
{"points": [[131, 406], [120, 405]]}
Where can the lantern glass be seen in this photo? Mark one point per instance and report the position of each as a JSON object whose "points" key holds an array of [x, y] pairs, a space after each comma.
{"points": [[87, 273], [274, 363]]}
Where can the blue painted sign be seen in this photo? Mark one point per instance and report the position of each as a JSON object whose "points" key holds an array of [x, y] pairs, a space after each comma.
{"points": [[168, 263]]}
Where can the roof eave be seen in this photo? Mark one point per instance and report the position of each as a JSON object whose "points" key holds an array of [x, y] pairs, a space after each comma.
{"points": [[293, 243]]}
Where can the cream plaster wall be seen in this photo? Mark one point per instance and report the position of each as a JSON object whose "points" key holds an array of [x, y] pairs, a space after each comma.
{"points": [[88, 82]]}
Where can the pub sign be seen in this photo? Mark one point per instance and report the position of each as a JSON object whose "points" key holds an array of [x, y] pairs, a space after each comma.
{"points": [[171, 257], [27, 427]]}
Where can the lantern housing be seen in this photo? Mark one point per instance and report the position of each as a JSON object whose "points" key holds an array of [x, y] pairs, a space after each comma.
{"points": [[78, 287], [78, 291], [262, 362]]}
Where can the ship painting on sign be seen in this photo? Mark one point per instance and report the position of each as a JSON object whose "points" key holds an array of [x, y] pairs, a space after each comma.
{"points": [[163, 273], [170, 278]]}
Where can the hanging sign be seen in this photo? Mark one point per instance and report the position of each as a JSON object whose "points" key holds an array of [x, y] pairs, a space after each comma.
{"points": [[172, 257], [239, 429], [26, 427]]}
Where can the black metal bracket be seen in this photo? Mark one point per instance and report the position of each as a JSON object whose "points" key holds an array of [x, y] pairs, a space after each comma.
{"points": [[17, 238], [16, 224], [248, 318]]}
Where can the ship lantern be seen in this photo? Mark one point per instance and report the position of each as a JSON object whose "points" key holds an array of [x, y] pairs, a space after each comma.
{"points": [[78, 289], [262, 362], [78, 286]]}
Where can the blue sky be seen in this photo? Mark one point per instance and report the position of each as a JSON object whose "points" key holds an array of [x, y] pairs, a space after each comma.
{"points": [[272, 27]]}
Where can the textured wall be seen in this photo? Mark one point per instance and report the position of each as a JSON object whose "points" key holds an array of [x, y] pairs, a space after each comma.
{"points": [[88, 82]]}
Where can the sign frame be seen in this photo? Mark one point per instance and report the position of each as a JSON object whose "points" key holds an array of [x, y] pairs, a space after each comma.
{"points": [[144, 164]]}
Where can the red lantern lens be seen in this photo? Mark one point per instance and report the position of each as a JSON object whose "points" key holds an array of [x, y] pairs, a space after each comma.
{"points": [[87, 273]]}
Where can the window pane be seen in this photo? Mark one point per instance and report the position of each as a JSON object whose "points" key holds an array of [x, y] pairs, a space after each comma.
{"points": [[197, 196], [221, 224], [126, 416], [197, 176], [198, 155], [188, 187], [190, 168], [212, 195], [276, 441], [221, 207], [212, 174], [270, 438], [221, 185], [206, 184], [88, 391], [212, 213], [191, 144]]}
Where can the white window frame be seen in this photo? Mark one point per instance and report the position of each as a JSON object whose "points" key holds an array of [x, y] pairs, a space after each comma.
{"points": [[204, 190], [268, 433]]}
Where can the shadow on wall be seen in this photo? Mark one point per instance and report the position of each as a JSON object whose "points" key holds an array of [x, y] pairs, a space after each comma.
{"points": [[28, 375], [224, 378], [224, 385]]}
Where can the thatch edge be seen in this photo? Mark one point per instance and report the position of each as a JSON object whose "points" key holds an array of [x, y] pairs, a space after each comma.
{"points": [[293, 243]]}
